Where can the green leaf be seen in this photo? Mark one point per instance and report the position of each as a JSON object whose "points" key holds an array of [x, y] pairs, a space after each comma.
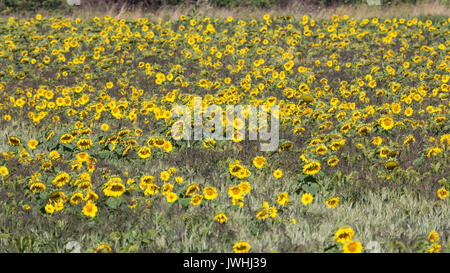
{"points": [[418, 162], [185, 201], [313, 189], [254, 230], [115, 236], [43, 195], [114, 202]]}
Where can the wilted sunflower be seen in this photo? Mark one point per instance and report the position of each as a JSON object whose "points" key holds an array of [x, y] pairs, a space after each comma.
{"points": [[84, 143], [262, 214], [241, 247], [85, 185], [235, 169], [196, 199], [91, 196], [221, 218], [37, 187], [321, 149], [61, 179], [82, 157], [14, 141], [193, 188], [408, 140], [333, 161], [58, 196], [144, 152], [332, 202], [311, 168], [384, 151], [159, 142], [114, 189], [145, 181], [76, 198], [103, 248], [336, 145], [166, 188], [390, 165], [344, 235], [151, 189], [364, 130], [66, 138]]}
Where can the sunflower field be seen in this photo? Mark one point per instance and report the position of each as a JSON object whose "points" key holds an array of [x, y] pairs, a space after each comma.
{"points": [[87, 154]]}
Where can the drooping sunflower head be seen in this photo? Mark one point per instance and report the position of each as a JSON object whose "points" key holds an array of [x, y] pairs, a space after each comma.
{"points": [[311, 168], [103, 248], [84, 143], [390, 165], [241, 247], [58, 196], [61, 179], [344, 235], [66, 138], [37, 187], [114, 189], [144, 152], [332, 202], [193, 188], [14, 141]]}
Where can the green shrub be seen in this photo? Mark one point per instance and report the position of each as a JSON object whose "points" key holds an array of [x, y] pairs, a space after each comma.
{"points": [[32, 5], [249, 3], [340, 2], [22, 5]]}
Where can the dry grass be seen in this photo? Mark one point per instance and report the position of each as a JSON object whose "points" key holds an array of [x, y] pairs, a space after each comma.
{"points": [[100, 8], [294, 9]]}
